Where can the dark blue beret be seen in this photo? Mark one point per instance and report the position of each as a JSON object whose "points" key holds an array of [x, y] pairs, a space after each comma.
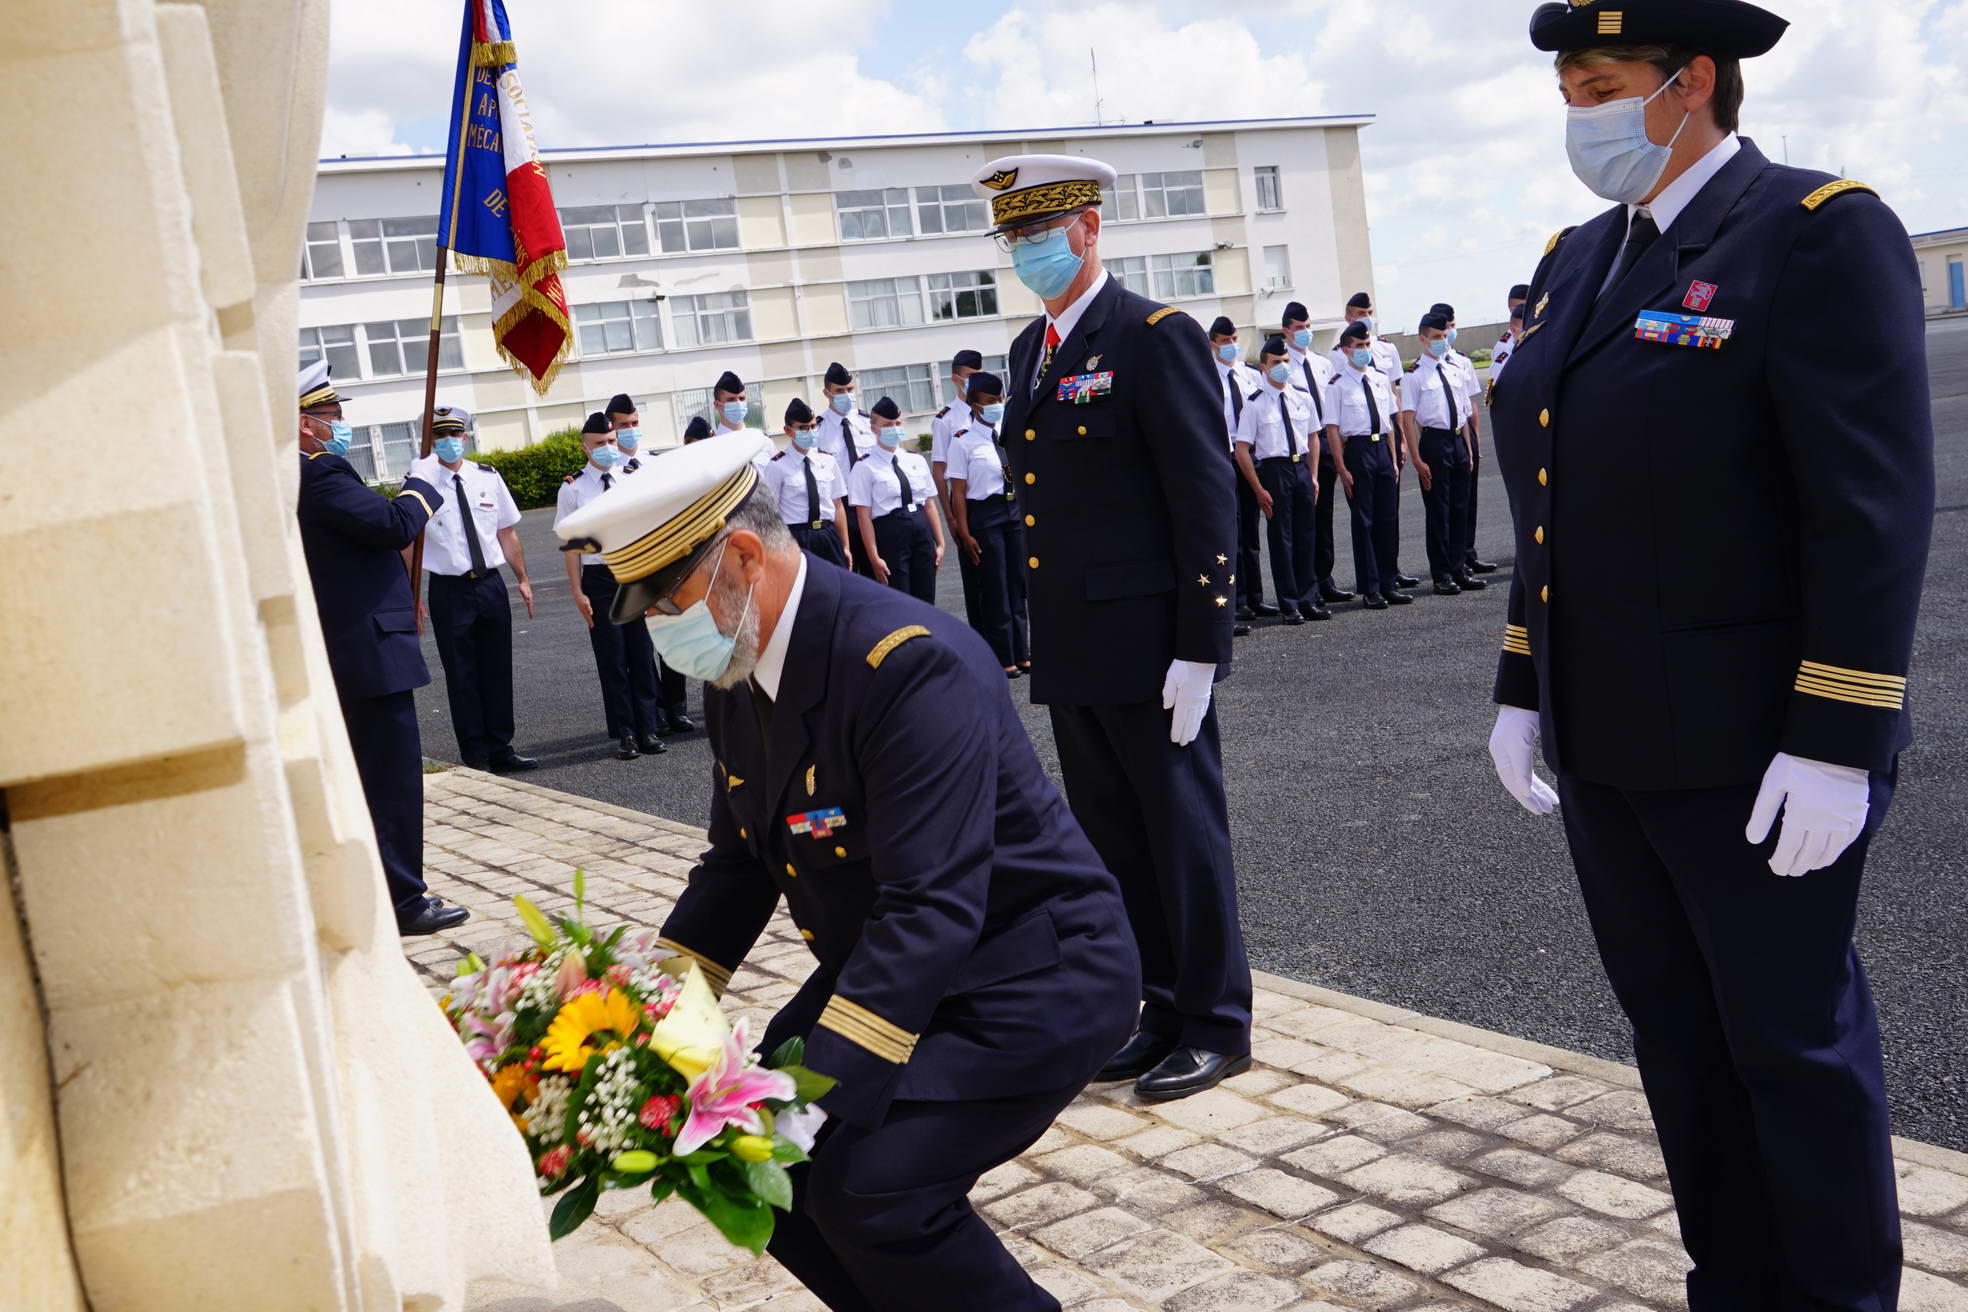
{"points": [[728, 382], [968, 360], [622, 404], [597, 423], [887, 409], [798, 412], [839, 376], [1295, 312], [988, 384]]}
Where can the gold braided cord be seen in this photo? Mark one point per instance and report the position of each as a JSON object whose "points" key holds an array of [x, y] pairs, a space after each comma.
{"points": [[672, 541], [1046, 198], [1840, 674]]}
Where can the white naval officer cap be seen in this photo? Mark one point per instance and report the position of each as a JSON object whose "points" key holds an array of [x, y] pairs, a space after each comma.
{"points": [[315, 389], [451, 419], [1026, 189], [651, 530]]}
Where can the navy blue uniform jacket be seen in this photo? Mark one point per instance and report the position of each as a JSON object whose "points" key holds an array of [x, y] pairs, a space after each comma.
{"points": [[1130, 509], [970, 943], [351, 536], [1720, 551]]}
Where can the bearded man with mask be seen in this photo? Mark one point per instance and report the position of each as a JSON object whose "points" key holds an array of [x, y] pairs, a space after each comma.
{"points": [[1701, 654], [1113, 427], [974, 963]]}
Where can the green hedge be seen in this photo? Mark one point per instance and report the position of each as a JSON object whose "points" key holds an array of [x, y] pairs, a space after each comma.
{"points": [[535, 473]]}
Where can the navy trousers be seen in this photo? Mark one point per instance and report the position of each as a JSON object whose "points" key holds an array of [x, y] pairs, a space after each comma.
{"points": [[823, 542], [1469, 526], [1290, 531], [389, 757], [999, 612], [1250, 538], [881, 1221], [902, 537], [1156, 814], [1322, 518], [1445, 502], [1757, 1043], [625, 661], [471, 620], [672, 694], [1375, 500]]}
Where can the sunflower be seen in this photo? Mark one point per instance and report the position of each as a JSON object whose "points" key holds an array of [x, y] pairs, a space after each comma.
{"points": [[568, 1045]]}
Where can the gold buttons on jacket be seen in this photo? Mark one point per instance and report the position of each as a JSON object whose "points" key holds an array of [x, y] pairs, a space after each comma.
{"points": [[1033, 562], [1031, 479], [1544, 419], [1544, 476], [1539, 535], [1544, 594], [840, 851], [790, 872], [1030, 520], [1029, 435], [742, 833], [1082, 430], [807, 934]]}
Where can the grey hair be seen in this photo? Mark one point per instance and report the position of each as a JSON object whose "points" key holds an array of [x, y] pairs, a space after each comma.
{"points": [[759, 514]]}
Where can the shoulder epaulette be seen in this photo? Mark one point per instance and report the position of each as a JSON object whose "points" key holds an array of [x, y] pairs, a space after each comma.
{"points": [[1557, 237], [568, 479], [862, 413], [1830, 189], [487, 468], [1162, 314], [1254, 395], [944, 411], [781, 455], [892, 641], [309, 455]]}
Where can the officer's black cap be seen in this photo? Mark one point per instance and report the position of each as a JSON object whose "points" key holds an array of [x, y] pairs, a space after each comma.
{"points": [[798, 412], [1520, 292], [1222, 327], [1273, 345], [1296, 313], [838, 376], [1730, 29], [1444, 309], [1354, 332], [622, 404], [886, 408], [729, 382], [1517, 315], [1359, 301], [597, 423], [989, 384], [1439, 322], [696, 430], [967, 360]]}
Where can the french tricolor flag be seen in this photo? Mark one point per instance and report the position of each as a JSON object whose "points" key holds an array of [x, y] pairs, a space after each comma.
{"points": [[497, 216]]}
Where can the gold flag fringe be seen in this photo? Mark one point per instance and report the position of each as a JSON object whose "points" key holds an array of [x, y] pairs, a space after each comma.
{"points": [[492, 54]]}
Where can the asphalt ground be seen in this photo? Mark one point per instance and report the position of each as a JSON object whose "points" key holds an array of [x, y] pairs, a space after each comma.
{"points": [[1376, 852]]}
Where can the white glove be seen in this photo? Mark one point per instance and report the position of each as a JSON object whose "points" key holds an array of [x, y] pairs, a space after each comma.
{"points": [[1513, 749], [1186, 691], [428, 468], [1824, 809]]}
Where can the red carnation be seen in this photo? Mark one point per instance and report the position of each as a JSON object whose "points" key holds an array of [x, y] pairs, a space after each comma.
{"points": [[553, 1164], [658, 1112]]}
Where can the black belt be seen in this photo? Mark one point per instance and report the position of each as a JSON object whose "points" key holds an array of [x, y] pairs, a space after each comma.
{"points": [[490, 571], [1364, 437], [813, 524], [899, 513], [1282, 460]]}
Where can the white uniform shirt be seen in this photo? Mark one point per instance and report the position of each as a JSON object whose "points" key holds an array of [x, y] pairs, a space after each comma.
{"points": [[786, 478], [577, 492], [1263, 424], [1500, 359], [1349, 394], [1068, 320], [1315, 374], [492, 508], [952, 421], [831, 424], [1386, 358], [976, 459], [1472, 386], [873, 484], [1429, 389], [1242, 380]]}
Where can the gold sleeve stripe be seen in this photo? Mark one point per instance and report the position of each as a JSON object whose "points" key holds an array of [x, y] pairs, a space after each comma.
{"points": [[1842, 692], [857, 1024], [1830, 189], [413, 492], [714, 975], [892, 641], [1517, 638], [1841, 675]]}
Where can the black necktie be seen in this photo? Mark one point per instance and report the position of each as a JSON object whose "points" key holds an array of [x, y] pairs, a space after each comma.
{"points": [[1373, 410], [812, 493], [1305, 367], [1448, 390], [847, 440], [1236, 398], [606, 482], [471, 525], [1004, 463], [1284, 413], [902, 482], [1639, 237]]}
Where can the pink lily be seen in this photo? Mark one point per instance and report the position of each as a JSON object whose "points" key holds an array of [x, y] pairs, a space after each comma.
{"points": [[723, 1095]]}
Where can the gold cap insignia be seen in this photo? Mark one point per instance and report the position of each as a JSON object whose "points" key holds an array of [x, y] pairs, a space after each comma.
{"points": [[1002, 179]]}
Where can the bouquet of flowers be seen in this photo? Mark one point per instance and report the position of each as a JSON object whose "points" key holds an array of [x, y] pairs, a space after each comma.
{"points": [[620, 1074]]}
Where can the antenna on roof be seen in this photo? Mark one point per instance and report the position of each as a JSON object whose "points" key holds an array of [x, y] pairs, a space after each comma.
{"points": [[1094, 64]]}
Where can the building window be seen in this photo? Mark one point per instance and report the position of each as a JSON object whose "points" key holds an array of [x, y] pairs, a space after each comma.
{"points": [[362, 452], [884, 302], [963, 295], [712, 318], [949, 209], [695, 403], [619, 327], [400, 346], [1270, 196], [394, 245], [396, 447], [604, 232], [1189, 274], [697, 225], [911, 386], [337, 345], [1165, 195], [1131, 272], [322, 257], [867, 215], [995, 364], [1120, 204], [1277, 268]]}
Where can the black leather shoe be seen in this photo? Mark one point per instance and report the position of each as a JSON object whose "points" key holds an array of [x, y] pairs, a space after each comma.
{"points": [[1240, 630], [432, 917], [625, 748], [480, 764], [651, 745], [1012, 674], [1373, 601], [1315, 612], [1189, 1070], [1406, 581], [1137, 1057], [1399, 599], [1444, 588], [1262, 608], [1333, 596], [1291, 617], [511, 762], [1470, 584], [681, 723], [1245, 615], [1481, 567]]}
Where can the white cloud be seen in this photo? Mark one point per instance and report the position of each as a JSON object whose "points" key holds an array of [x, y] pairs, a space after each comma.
{"points": [[359, 132]]}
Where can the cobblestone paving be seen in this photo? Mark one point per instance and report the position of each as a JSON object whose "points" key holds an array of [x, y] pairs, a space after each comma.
{"points": [[1371, 1159]]}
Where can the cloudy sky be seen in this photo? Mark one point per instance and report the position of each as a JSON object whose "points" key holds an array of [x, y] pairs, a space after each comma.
{"points": [[1466, 173]]}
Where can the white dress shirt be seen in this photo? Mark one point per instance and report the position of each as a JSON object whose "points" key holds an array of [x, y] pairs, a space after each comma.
{"points": [[786, 478], [1263, 425], [771, 666], [1674, 197], [1069, 319], [492, 508], [1236, 381], [832, 424], [1349, 394], [1315, 374], [578, 491], [1428, 391], [1386, 359], [975, 458], [873, 483], [952, 421]]}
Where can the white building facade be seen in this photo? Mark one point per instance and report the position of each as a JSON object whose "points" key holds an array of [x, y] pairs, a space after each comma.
{"points": [[1943, 260], [774, 258]]}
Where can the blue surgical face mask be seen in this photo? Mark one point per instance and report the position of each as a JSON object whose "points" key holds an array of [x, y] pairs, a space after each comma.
{"points": [[992, 414], [1439, 348], [449, 449], [1048, 266], [1280, 372], [692, 644], [734, 412], [1452, 337], [1610, 150], [1302, 338], [1227, 353], [1366, 322], [341, 434], [604, 456], [804, 438], [1361, 357], [843, 403], [889, 437], [628, 438]]}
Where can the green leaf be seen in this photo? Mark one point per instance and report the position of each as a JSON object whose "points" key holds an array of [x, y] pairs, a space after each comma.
{"points": [[575, 1208], [746, 1223], [770, 1182], [536, 924], [788, 1153], [808, 1086], [662, 1189], [790, 1053], [580, 888]]}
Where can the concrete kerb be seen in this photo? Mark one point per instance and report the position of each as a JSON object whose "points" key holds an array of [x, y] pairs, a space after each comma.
{"points": [[1559, 1059]]}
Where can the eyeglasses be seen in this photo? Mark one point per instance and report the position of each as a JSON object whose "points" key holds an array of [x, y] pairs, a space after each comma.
{"points": [[1032, 234], [666, 604]]}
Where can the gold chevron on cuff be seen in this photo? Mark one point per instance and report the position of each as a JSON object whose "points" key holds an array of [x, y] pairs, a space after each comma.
{"points": [[714, 975], [1517, 639], [858, 1025], [1886, 692]]}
